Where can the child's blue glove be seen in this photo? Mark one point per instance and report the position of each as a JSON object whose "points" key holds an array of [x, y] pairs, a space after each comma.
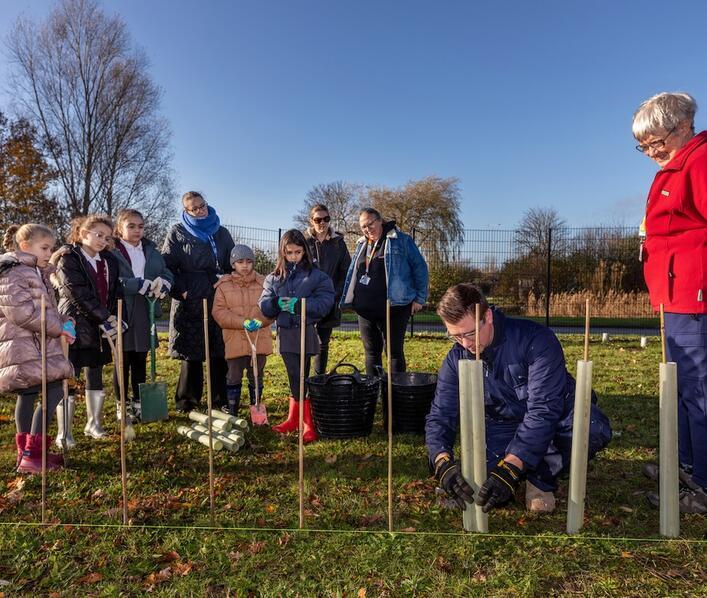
{"points": [[69, 331], [252, 325], [282, 303], [291, 305]]}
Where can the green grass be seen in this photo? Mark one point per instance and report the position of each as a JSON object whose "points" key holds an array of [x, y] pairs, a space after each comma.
{"points": [[528, 555]]}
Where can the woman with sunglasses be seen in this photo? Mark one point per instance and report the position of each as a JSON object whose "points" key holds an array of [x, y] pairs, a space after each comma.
{"points": [[197, 251], [674, 255], [331, 256]]}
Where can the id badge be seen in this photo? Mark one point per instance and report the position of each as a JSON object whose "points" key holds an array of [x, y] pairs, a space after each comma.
{"points": [[365, 279]]}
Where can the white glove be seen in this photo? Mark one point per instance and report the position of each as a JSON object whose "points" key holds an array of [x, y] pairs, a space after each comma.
{"points": [[146, 286], [160, 287], [110, 327]]}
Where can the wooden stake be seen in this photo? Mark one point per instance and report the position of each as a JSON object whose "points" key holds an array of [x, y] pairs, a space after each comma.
{"points": [[389, 360], [586, 331], [302, 360], [668, 482], [65, 399], [121, 387], [43, 348], [207, 355], [662, 332]]}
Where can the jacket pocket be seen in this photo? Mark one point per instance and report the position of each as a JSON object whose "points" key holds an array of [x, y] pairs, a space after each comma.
{"points": [[517, 376]]}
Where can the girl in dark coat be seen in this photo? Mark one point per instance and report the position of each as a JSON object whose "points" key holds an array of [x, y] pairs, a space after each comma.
{"points": [[295, 278], [197, 251], [143, 275], [86, 279], [331, 256]]}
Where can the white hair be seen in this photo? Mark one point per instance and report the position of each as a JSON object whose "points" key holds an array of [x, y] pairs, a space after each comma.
{"points": [[662, 113]]}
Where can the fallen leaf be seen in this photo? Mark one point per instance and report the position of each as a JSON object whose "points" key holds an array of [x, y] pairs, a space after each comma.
{"points": [[183, 568], [256, 547], [443, 564], [168, 557], [270, 508], [626, 509], [284, 540], [154, 579], [479, 577], [631, 428], [626, 555], [409, 529], [98, 494], [330, 459], [361, 593], [91, 578]]}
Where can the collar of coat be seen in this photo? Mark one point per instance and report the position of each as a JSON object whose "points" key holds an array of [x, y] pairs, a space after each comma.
{"points": [[331, 233], [678, 162]]}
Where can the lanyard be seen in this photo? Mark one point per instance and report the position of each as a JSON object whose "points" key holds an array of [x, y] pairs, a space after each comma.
{"points": [[370, 253]]}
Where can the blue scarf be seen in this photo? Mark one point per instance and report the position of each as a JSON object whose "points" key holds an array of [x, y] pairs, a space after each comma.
{"points": [[204, 228]]}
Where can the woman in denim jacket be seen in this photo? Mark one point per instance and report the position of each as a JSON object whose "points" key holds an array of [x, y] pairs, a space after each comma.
{"points": [[386, 265]]}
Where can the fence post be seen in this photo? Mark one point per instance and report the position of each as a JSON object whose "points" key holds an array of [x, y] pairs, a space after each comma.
{"points": [[279, 236], [548, 285], [412, 317]]}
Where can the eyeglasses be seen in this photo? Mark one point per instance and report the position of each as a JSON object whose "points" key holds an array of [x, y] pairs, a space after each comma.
{"points": [[320, 220], [465, 336], [369, 224], [655, 145], [198, 208]]}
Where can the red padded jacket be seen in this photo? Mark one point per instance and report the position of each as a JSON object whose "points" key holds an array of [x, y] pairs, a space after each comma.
{"points": [[675, 249]]}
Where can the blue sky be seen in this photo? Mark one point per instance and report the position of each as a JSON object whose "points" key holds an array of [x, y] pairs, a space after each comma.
{"points": [[527, 103]]}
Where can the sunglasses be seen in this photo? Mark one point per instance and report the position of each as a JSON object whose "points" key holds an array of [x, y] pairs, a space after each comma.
{"points": [[320, 220]]}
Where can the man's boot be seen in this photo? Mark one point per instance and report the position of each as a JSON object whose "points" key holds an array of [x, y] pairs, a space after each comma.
{"points": [[309, 433], [31, 461], [94, 413], [65, 434], [292, 421]]}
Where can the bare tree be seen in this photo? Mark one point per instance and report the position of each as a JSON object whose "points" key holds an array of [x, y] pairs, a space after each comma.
{"points": [[533, 232], [343, 200], [430, 207], [87, 90]]}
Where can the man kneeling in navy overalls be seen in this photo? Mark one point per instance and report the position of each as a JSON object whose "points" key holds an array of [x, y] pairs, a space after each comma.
{"points": [[529, 403]]}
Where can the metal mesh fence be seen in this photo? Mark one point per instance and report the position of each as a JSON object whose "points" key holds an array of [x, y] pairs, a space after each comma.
{"points": [[546, 275]]}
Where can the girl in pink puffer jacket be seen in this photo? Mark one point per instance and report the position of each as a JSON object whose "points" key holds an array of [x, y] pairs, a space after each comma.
{"points": [[24, 279]]}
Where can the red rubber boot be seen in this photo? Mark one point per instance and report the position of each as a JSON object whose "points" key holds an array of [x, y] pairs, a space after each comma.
{"points": [[32, 456], [310, 433], [292, 421], [20, 441]]}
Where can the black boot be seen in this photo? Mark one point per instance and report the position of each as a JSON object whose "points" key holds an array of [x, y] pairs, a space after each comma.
{"points": [[233, 394]]}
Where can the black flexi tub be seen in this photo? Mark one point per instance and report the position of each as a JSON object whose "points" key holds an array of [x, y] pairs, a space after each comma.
{"points": [[412, 397], [343, 404]]}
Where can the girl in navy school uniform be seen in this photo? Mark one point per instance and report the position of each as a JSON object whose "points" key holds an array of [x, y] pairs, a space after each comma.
{"points": [[86, 279], [143, 275], [294, 278]]}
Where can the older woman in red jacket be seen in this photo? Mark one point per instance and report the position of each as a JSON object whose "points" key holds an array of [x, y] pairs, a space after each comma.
{"points": [[674, 254]]}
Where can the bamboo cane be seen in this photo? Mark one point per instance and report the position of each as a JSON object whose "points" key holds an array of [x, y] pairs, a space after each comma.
{"points": [[668, 482], [43, 346], [580, 438], [389, 365], [207, 355], [121, 387], [302, 358]]}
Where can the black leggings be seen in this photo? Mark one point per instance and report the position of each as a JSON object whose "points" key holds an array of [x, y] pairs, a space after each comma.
{"points": [[134, 369], [320, 361], [292, 366], [373, 338], [25, 421]]}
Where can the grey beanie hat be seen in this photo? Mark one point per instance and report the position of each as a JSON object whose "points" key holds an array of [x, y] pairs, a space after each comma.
{"points": [[242, 252]]}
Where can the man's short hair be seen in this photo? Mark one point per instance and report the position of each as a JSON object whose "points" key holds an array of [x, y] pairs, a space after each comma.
{"points": [[460, 301]]}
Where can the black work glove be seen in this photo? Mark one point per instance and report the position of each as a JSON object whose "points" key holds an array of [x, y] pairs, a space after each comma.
{"points": [[451, 481], [500, 486]]}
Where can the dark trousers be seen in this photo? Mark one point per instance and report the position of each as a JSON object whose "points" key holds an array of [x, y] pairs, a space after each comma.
{"points": [[320, 361], [94, 378], [190, 385], [373, 338], [237, 365], [499, 435], [292, 366], [686, 340], [134, 370]]}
